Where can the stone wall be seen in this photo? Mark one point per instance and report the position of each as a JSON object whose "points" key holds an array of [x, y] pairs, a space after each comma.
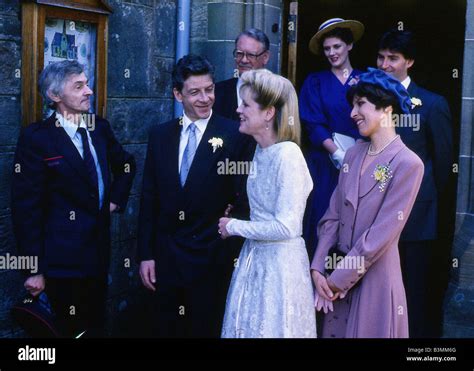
{"points": [[10, 110], [458, 309], [215, 25]]}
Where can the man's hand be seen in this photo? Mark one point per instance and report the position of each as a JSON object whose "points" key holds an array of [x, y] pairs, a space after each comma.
{"points": [[222, 227], [147, 274], [35, 284], [113, 207]]}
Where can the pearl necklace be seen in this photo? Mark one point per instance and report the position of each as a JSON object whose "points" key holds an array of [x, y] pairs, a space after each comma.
{"points": [[375, 153]]}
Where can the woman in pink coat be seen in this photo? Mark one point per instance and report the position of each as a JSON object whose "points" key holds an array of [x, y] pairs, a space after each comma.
{"points": [[356, 267]]}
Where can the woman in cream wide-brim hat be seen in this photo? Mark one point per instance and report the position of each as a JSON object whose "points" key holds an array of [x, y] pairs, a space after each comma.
{"points": [[355, 27], [325, 111]]}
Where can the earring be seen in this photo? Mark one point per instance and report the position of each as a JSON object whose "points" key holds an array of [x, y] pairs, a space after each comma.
{"points": [[266, 127]]}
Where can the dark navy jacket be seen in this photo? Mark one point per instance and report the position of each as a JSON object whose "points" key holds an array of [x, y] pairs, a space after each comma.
{"points": [[433, 143], [178, 226], [55, 206]]}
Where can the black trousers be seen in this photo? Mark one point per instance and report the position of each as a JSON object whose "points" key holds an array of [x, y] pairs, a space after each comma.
{"points": [[416, 259], [187, 312], [79, 305]]}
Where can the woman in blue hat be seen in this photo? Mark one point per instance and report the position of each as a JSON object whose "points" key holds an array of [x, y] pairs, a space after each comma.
{"points": [[356, 268], [325, 111]]}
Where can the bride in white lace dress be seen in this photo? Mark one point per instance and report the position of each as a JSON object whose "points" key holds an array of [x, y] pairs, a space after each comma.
{"points": [[271, 294]]}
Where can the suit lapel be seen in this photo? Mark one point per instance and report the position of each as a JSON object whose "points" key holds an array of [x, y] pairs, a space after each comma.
{"points": [[172, 152], [66, 147], [352, 182]]}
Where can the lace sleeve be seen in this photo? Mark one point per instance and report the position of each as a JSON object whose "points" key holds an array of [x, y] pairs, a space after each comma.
{"points": [[292, 184]]}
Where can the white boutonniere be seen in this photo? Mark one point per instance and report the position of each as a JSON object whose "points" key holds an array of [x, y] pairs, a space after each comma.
{"points": [[415, 102], [216, 143], [382, 174]]}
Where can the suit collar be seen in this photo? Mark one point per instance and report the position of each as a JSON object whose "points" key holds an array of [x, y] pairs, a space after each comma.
{"points": [[201, 124], [69, 126], [406, 82]]}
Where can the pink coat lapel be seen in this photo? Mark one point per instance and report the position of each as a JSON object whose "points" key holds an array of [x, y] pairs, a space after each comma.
{"points": [[359, 186]]}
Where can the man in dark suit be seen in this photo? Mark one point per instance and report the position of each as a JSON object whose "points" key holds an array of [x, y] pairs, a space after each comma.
{"points": [[252, 51], [62, 197], [185, 192], [428, 133]]}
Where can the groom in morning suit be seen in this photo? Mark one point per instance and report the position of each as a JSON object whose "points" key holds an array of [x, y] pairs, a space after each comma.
{"points": [[432, 140], [183, 259], [69, 177]]}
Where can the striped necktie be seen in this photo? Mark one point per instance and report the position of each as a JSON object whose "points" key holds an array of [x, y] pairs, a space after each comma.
{"points": [[88, 159]]}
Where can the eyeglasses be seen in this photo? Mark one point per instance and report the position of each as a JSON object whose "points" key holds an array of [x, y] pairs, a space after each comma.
{"points": [[239, 54]]}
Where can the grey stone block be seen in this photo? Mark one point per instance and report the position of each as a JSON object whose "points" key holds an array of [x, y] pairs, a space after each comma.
{"points": [[467, 121], [469, 23], [274, 62], [220, 55], [6, 168], [457, 311], [10, 64], [161, 84], [115, 227], [10, 7], [149, 3], [129, 219], [11, 291], [468, 75], [139, 152], [277, 3], [10, 124], [272, 16], [225, 20], [123, 272], [7, 240], [10, 27], [131, 119], [165, 28], [199, 20], [130, 42]]}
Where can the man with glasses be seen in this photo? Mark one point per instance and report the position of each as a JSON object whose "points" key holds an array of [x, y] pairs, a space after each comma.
{"points": [[252, 51]]}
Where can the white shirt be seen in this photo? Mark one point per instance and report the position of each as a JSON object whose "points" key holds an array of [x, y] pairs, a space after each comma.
{"points": [[406, 82], [201, 126], [239, 84], [71, 130]]}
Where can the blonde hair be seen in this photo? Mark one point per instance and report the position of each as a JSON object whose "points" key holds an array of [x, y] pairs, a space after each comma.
{"points": [[271, 90]]}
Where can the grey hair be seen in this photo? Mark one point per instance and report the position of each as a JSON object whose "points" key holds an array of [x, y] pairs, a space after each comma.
{"points": [[54, 76], [255, 34]]}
